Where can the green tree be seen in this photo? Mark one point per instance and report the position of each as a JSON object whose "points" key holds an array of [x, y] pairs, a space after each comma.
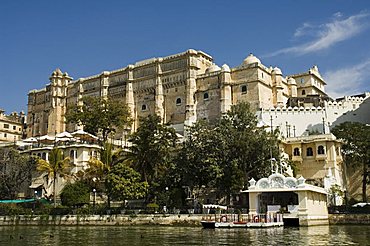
{"points": [[15, 172], [75, 194], [198, 160], [57, 166], [151, 148], [123, 182], [98, 114], [227, 154], [356, 148], [248, 149]]}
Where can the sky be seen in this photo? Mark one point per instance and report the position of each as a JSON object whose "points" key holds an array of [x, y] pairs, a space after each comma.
{"points": [[85, 38]]}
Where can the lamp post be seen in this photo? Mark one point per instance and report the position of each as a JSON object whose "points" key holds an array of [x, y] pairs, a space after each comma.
{"points": [[94, 198], [166, 199]]}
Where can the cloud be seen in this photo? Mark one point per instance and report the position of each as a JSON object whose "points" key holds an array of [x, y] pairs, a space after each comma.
{"points": [[328, 34], [348, 80]]}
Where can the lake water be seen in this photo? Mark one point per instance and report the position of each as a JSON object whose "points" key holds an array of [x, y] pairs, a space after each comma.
{"points": [[160, 235]]}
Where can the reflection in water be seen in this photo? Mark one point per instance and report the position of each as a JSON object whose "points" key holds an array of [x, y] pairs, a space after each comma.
{"points": [[157, 235]]}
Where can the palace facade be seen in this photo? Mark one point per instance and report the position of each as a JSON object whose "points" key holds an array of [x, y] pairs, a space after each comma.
{"points": [[11, 126], [180, 88]]}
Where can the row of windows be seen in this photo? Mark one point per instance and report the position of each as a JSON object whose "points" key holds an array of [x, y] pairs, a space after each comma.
{"points": [[243, 88], [6, 126], [309, 151], [144, 107]]}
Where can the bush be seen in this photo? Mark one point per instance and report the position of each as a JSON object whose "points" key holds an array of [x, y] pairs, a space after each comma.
{"points": [[152, 207], [75, 195]]}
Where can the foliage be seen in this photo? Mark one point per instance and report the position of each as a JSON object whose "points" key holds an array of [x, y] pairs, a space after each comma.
{"points": [[15, 172], [151, 152], [99, 114], [227, 154], [356, 148], [56, 166], [123, 182], [75, 194]]}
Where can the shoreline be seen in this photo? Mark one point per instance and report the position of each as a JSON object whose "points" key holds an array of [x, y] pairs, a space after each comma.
{"points": [[144, 219]]}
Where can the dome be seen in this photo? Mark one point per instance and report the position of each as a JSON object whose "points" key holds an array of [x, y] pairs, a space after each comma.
{"points": [[277, 71], [225, 68], [57, 72], [251, 59], [213, 68], [291, 81]]}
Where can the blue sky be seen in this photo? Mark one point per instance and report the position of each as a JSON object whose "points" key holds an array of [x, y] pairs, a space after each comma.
{"points": [[85, 38]]}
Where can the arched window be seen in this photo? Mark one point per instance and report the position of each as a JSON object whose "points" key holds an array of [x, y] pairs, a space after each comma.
{"points": [[296, 152], [143, 107], [178, 101], [303, 92], [320, 150], [205, 96], [44, 156], [309, 151], [244, 89]]}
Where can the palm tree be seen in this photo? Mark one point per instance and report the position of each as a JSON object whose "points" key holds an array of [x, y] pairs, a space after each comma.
{"points": [[56, 166]]}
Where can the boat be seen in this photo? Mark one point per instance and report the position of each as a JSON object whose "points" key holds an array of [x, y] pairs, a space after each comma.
{"points": [[221, 220]]}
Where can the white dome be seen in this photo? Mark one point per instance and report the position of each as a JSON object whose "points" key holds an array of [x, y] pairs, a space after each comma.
{"points": [[251, 59], [291, 81], [277, 71], [213, 68], [225, 68]]}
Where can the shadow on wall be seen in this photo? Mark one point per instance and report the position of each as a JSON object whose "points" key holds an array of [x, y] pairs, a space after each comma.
{"points": [[355, 184], [361, 114]]}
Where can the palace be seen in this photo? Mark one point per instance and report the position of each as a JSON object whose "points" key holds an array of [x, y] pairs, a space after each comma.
{"points": [[11, 126], [180, 88]]}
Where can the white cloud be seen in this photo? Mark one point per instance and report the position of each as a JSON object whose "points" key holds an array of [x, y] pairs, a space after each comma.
{"points": [[328, 34], [348, 80]]}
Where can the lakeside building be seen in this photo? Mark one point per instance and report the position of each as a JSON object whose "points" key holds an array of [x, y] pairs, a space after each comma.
{"points": [[11, 127], [181, 88], [188, 86], [79, 146]]}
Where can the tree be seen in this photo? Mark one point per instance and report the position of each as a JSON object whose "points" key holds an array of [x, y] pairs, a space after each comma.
{"points": [[227, 154], [99, 114], [15, 172], [75, 194], [198, 161], [151, 148], [57, 166], [123, 182], [356, 148], [248, 148]]}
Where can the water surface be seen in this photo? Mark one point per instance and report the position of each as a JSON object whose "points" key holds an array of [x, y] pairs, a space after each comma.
{"points": [[160, 235]]}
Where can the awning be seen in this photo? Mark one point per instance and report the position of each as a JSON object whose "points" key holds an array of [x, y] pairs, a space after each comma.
{"points": [[214, 206], [36, 185], [17, 201]]}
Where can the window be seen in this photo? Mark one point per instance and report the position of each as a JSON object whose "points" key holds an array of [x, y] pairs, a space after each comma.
{"points": [[72, 154], [320, 150], [205, 96], [296, 152], [143, 107], [309, 151], [302, 80], [43, 156], [6, 126], [303, 92], [5, 135], [178, 101], [244, 89], [14, 128]]}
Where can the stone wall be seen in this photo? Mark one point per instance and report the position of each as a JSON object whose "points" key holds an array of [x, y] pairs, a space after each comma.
{"points": [[345, 219], [141, 219]]}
